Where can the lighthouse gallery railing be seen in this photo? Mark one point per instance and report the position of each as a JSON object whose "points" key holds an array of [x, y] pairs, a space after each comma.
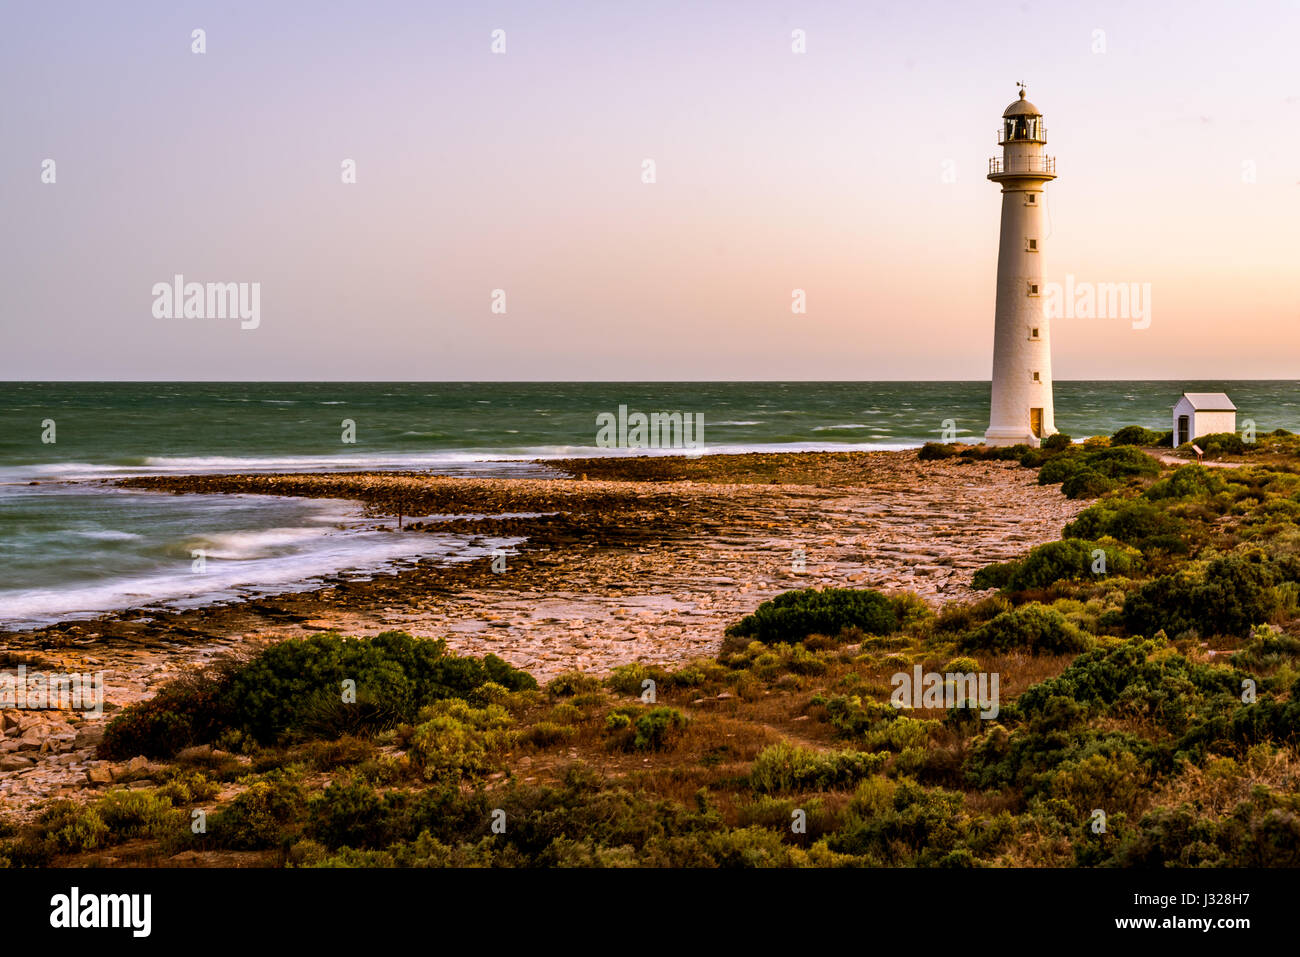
{"points": [[1030, 164]]}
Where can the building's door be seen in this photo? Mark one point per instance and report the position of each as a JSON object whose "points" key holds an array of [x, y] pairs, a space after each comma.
{"points": [[1036, 422], [1184, 431]]}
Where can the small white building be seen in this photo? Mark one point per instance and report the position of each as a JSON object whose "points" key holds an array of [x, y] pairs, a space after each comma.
{"points": [[1202, 413]]}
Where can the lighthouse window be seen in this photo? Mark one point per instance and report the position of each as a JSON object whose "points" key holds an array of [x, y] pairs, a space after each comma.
{"points": [[1033, 289], [1036, 379], [1031, 199], [1033, 333], [1033, 245]]}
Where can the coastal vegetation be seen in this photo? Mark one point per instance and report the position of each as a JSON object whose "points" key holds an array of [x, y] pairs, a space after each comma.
{"points": [[1150, 681]]}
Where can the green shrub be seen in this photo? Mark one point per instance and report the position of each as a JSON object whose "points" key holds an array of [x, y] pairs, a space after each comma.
{"points": [[795, 615], [1109, 463], [658, 729], [618, 721], [260, 816], [1132, 521], [1086, 483], [997, 575], [1267, 649], [132, 814], [935, 451], [1122, 462], [1138, 677], [917, 826], [631, 678], [1068, 559], [281, 688], [456, 742], [1033, 626], [571, 683], [185, 786], [348, 812], [1060, 467], [547, 734], [1234, 594], [67, 827], [1113, 781], [1186, 481], [294, 690], [1261, 831], [1056, 442], [1135, 435], [786, 767], [1221, 443]]}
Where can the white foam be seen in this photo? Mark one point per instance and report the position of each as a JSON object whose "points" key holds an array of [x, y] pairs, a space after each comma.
{"points": [[225, 579], [460, 459]]}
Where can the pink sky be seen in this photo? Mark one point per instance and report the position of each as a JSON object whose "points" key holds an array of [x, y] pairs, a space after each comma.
{"points": [[775, 171]]}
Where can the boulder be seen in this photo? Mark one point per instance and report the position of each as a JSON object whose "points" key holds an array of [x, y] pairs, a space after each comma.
{"points": [[90, 735]]}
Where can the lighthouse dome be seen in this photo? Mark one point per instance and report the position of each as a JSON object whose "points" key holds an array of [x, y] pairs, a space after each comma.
{"points": [[1022, 107]]}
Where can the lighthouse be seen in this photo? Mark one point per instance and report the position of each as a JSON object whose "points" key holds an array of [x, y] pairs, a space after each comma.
{"points": [[1020, 407]]}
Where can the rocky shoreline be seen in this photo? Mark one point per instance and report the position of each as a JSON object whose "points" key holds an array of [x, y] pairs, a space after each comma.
{"points": [[626, 560]]}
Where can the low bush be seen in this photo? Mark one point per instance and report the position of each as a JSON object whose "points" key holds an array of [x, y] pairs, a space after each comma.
{"points": [[936, 451], [1068, 559], [1135, 522], [1186, 481], [1219, 443], [1135, 435], [259, 816], [1233, 594], [794, 615], [457, 742], [1036, 627], [294, 690], [1086, 483], [1086, 470], [786, 767]]}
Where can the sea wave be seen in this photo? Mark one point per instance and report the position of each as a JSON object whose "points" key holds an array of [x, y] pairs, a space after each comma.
{"points": [[487, 459], [351, 553], [104, 535], [250, 545]]}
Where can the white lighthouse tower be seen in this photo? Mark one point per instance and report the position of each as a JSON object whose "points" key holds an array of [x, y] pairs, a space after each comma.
{"points": [[1020, 409]]}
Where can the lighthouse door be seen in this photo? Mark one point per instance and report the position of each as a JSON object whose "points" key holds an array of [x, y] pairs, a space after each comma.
{"points": [[1036, 422]]}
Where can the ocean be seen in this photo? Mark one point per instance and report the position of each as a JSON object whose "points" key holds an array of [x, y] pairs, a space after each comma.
{"points": [[76, 549]]}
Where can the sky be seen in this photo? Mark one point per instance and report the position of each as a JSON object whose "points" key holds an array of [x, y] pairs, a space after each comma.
{"points": [[854, 171]]}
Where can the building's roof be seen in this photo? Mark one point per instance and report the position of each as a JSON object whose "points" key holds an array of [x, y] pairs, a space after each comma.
{"points": [[1022, 107], [1210, 401]]}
